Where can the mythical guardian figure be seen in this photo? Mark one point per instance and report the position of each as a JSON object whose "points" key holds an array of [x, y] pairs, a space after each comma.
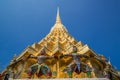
{"points": [[40, 68], [75, 65]]}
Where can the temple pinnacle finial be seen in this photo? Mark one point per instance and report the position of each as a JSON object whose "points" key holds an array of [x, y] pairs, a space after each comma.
{"points": [[58, 20], [58, 24]]}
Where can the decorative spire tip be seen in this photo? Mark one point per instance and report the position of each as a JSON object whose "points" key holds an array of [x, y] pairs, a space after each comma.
{"points": [[58, 20]]}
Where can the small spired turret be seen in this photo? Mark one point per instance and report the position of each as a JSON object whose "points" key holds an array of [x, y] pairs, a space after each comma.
{"points": [[59, 59], [14, 59], [119, 73]]}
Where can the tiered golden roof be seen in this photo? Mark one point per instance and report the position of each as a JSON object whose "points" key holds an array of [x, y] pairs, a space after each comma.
{"points": [[57, 42]]}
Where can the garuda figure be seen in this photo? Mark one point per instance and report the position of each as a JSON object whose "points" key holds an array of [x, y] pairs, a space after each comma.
{"points": [[75, 65], [40, 68]]}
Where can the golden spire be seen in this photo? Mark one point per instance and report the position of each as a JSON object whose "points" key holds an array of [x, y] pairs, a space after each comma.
{"points": [[58, 20], [58, 24]]}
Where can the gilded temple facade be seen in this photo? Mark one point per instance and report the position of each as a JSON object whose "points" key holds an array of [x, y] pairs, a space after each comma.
{"points": [[59, 42]]}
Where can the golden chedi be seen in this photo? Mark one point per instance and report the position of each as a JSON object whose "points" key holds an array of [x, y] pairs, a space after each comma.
{"points": [[59, 55]]}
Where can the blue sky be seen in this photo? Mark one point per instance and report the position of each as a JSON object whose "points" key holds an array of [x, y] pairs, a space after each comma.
{"points": [[94, 22]]}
